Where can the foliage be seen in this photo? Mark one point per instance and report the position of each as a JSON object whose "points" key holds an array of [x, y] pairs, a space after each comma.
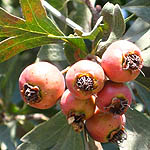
{"points": [[52, 38]]}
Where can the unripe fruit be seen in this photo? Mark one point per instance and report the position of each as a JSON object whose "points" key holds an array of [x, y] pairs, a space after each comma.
{"points": [[85, 78], [122, 61], [106, 127], [41, 85], [114, 98], [77, 110]]}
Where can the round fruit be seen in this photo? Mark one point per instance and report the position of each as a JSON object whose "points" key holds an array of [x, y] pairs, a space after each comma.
{"points": [[106, 127], [41, 85], [77, 110], [114, 98], [122, 61], [85, 78]]}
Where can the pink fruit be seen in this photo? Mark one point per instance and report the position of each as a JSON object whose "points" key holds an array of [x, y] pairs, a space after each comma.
{"points": [[85, 78], [114, 98], [77, 110], [122, 61], [41, 85], [106, 127]]}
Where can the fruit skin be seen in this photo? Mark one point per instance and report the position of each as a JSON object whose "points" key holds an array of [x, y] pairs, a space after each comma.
{"points": [[89, 69], [69, 103], [106, 127], [77, 110], [113, 58], [48, 79], [109, 98]]}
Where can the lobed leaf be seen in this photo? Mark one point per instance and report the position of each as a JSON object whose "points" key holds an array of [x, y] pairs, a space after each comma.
{"points": [[107, 13], [11, 25], [138, 131], [138, 3], [142, 93], [59, 5], [139, 7], [22, 34], [117, 26], [36, 18], [144, 44], [53, 53], [75, 50], [54, 134], [136, 30], [6, 136], [146, 57], [95, 31], [14, 45], [82, 15]]}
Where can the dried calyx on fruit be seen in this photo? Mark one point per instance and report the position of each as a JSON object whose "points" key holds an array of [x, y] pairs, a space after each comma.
{"points": [[122, 61], [76, 120], [41, 85], [132, 62], [106, 127], [85, 82], [76, 110], [114, 98], [85, 78], [31, 93]]}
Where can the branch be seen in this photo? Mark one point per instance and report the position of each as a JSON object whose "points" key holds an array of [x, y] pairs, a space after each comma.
{"points": [[94, 10], [57, 14]]}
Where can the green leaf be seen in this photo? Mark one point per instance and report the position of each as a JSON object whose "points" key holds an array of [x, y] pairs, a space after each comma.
{"points": [[75, 50], [144, 41], [53, 53], [7, 136], [5, 81], [138, 131], [144, 80], [138, 3], [36, 18], [11, 25], [107, 13], [94, 145], [139, 7], [95, 31], [54, 134], [146, 57], [144, 44], [59, 5], [117, 25], [141, 92], [53, 8], [136, 30], [81, 15], [110, 146], [14, 45], [35, 31], [15, 65]]}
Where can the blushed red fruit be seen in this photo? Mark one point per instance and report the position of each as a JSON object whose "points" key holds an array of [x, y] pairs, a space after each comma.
{"points": [[122, 61], [77, 110], [85, 78], [41, 85], [114, 98], [106, 127]]}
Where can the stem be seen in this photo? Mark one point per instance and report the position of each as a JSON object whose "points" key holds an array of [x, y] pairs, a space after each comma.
{"points": [[65, 70], [94, 11], [57, 14]]}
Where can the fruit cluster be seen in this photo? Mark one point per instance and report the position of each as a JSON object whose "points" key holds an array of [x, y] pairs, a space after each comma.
{"points": [[96, 97]]}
